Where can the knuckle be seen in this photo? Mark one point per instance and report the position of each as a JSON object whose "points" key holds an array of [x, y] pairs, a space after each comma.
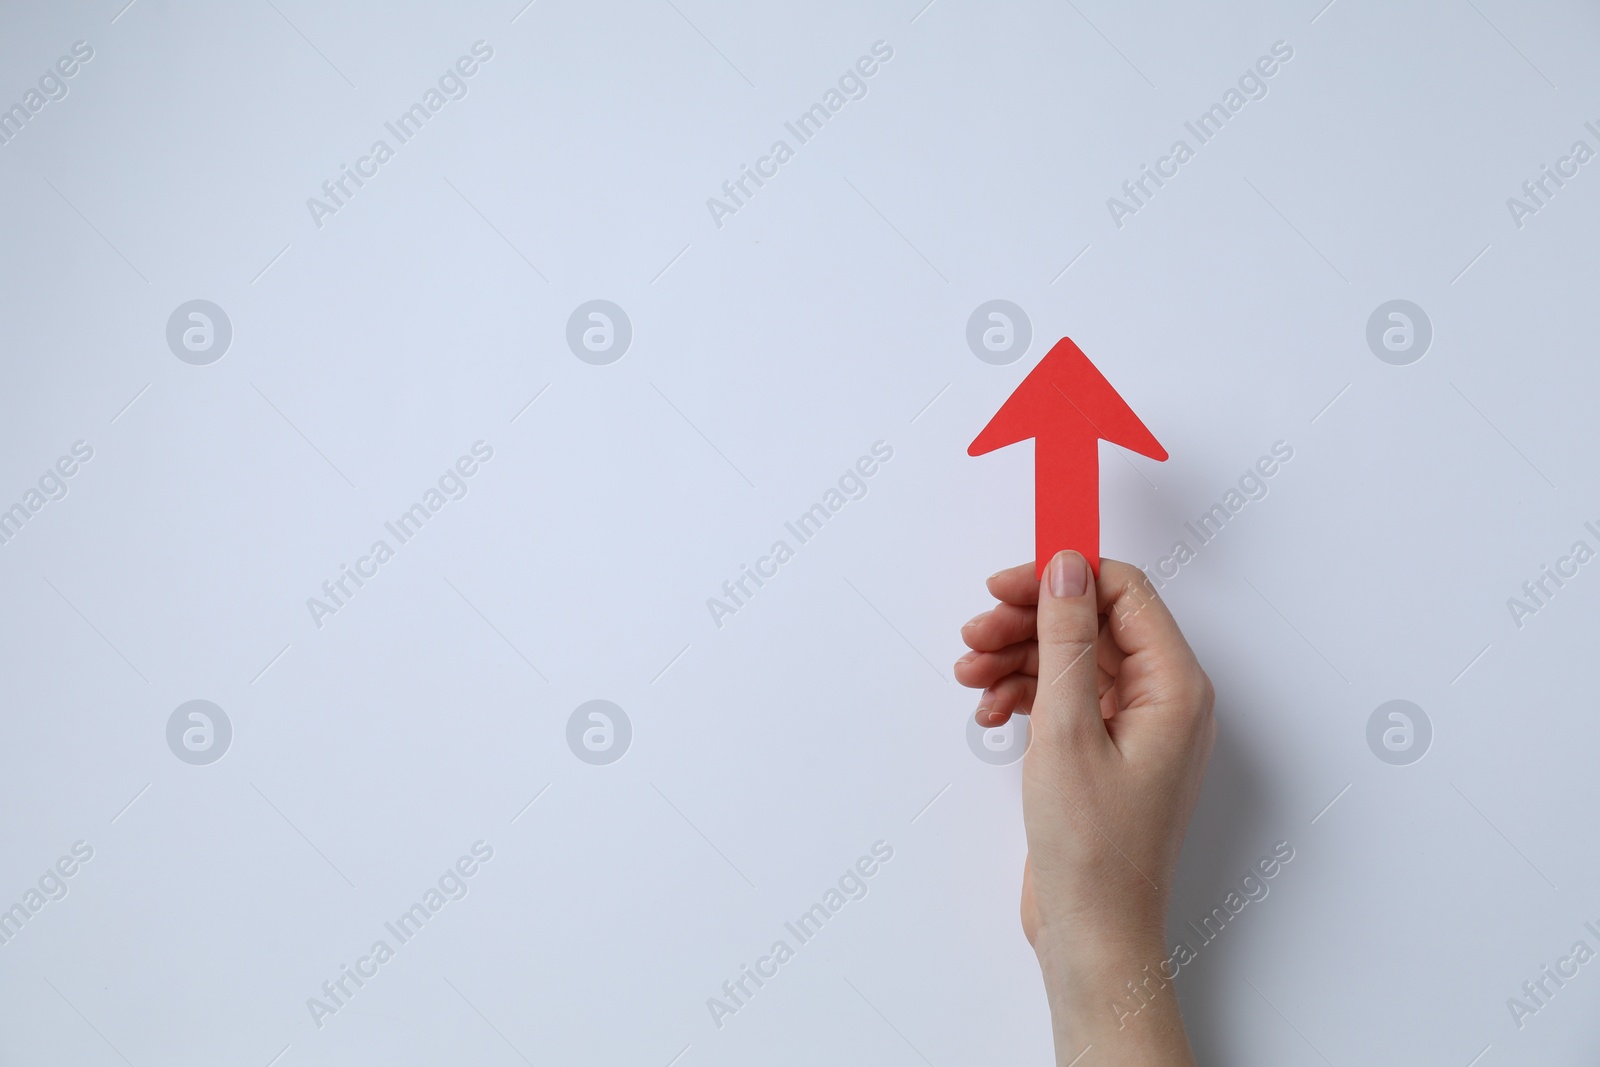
{"points": [[1199, 699], [1071, 629], [1073, 657], [1190, 695]]}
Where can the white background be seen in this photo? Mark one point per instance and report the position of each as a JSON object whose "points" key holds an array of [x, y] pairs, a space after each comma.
{"points": [[768, 354]]}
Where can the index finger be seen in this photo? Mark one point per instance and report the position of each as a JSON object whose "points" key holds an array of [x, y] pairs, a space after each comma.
{"points": [[1015, 585]]}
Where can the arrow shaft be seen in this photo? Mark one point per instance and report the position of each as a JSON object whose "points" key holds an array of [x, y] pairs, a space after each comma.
{"points": [[1066, 473]]}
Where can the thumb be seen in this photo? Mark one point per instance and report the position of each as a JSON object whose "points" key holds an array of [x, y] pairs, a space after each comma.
{"points": [[1066, 709]]}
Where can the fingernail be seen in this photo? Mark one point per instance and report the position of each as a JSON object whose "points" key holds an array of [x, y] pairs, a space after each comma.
{"points": [[975, 620], [968, 658], [994, 718], [1069, 574], [984, 714]]}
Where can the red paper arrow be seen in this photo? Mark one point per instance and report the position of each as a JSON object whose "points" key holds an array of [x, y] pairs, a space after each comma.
{"points": [[1068, 408]]}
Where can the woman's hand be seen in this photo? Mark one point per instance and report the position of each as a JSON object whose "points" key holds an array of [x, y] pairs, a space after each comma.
{"points": [[1122, 728]]}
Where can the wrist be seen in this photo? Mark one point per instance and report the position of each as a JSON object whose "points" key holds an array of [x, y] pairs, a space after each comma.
{"points": [[1099, 948], [1116, 995], [1090, 972]]}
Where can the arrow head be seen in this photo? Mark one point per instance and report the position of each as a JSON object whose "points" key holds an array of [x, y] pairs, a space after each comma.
{"points": [[1066, 396], [1068, 408]]}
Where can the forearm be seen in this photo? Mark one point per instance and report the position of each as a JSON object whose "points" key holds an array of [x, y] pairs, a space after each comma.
{"points": [[1113, 1008]]}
